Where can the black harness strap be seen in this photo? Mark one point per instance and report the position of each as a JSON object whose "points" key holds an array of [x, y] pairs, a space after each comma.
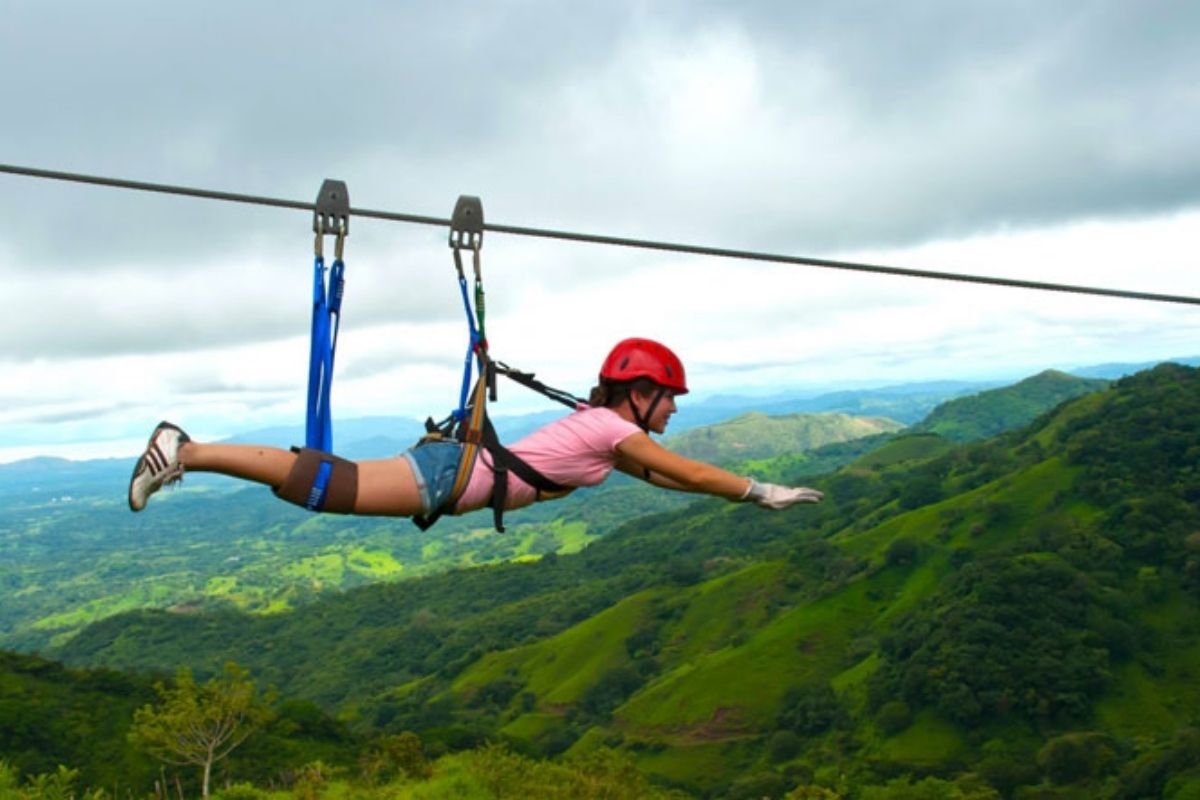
{"points": [[503, 460], [528, 380], [643, 420]]}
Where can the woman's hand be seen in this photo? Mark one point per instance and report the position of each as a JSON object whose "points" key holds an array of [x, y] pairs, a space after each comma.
{"points": [[776, 497]]}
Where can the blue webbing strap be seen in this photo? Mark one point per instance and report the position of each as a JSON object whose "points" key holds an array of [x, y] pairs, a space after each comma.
{"points": [[461, 413], [326, 317]]}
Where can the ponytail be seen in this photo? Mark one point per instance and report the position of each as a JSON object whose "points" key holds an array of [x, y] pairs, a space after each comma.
{"points": [[598, 397], [609, 394]]}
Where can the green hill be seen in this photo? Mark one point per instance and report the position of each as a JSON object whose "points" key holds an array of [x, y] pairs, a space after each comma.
{"points": [[758, 436], [991, 412], [1014, 615]]}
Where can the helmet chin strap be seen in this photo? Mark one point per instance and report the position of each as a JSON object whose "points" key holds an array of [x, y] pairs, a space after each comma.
{"points": [[643, 420]]}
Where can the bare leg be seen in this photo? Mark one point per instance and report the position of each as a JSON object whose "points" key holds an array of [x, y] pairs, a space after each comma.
{"points": [[385, 488], [250, 462]]}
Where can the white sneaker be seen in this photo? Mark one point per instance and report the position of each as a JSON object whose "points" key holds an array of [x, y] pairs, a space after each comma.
{"points": [[159, 464]]}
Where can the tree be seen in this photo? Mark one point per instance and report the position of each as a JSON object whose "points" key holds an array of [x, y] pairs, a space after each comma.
{"points": [[57, 785], [783, 746], [894, 716], [811, 710], [397, 755], [1076, 756], [195, 725]]}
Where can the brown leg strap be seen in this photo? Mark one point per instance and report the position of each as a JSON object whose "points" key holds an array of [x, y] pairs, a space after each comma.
{"points": [[321, 482]]}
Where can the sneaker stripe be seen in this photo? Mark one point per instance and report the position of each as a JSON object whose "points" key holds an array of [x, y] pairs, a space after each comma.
{"points": [[158, 458]]}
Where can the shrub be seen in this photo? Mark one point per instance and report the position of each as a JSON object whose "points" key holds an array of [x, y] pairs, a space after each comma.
{"points": [[894, 716], [902, 551], [1076, 756], [610, 691], [498, 693], [753, 787], [240, 791], [809, 791], [1006, 773], [1183, 788], [783, 746], [810, 710], [920, 491], [400, 755]]}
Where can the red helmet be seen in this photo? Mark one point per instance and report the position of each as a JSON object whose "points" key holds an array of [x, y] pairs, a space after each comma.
{"points": [[645, 358]]}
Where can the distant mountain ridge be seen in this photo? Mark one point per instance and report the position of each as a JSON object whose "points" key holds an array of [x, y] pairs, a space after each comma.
{"points": [[1117, 369], [757, 435]]}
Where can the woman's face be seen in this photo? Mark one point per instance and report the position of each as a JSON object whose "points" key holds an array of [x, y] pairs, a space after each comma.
{"points": [[662, 412]]}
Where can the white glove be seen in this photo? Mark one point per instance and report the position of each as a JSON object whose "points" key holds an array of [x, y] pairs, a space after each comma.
{"points": [[773, 496]]}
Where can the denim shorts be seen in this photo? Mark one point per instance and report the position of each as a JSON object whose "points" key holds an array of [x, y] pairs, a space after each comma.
{"points": [[435, 466]]}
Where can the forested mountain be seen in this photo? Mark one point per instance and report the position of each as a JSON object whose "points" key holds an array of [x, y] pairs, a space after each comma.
{"points": [[994, 411], [1012, 616]]}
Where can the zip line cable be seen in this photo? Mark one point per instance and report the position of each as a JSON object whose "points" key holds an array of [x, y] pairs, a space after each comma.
{"points": [[617, 241]]}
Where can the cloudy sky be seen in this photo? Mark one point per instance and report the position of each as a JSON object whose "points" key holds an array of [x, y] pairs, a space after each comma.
{"points": [[1050, 141]]}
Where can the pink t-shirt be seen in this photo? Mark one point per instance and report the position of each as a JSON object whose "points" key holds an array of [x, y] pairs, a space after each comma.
{"points": [[577, 450]]}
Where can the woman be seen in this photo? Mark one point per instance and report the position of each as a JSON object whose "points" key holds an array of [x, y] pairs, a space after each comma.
{"points": [[639, 382]]}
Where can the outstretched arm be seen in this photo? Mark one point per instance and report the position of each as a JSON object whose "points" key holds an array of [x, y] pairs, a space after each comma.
{"points": [[642, 457]]}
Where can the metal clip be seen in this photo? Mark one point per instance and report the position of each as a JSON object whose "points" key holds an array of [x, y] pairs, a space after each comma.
{"points": [[466, 225], [331, 213]]}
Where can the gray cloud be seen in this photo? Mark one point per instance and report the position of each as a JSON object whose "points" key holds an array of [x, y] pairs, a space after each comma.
{"points": [[882, 123], [251, 100]]}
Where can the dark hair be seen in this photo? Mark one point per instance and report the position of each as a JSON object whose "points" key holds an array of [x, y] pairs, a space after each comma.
{"points": [[609, 394]]}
